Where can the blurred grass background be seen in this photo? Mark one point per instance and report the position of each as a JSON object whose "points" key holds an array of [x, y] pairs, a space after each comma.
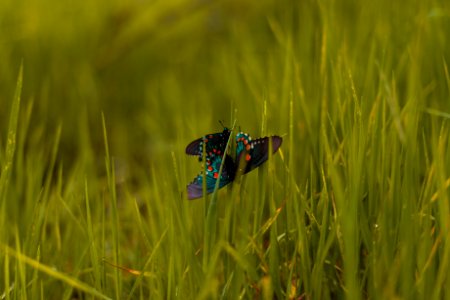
{"points": [[355, 205]]}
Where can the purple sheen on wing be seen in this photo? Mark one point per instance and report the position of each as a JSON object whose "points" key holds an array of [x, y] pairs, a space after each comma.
{"points": [[193, 147], [194, 191]]}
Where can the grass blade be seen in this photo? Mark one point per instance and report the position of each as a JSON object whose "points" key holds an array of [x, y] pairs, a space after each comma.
{"points": [[12, 137]]}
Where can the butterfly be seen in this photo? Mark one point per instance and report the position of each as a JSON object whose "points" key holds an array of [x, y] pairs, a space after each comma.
{"points": [[250, 154]]}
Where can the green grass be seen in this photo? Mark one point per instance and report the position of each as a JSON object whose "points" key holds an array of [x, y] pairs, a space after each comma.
{"points": [[99, 100]]}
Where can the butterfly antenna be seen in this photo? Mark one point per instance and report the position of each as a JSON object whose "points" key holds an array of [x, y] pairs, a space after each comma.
{"points": [[221, 123]]}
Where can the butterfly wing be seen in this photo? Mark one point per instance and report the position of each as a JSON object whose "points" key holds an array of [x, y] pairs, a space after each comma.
{"points": [[195, 188], [252, 153], [215, 144]]}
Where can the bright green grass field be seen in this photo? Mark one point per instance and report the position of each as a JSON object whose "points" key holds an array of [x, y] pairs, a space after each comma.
{"points": [[354, 205]]}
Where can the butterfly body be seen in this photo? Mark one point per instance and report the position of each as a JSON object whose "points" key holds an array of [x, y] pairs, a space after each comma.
{"points": [[250, 154]]}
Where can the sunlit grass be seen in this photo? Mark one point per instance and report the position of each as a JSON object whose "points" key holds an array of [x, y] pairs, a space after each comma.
{"points": [[355, 204]]}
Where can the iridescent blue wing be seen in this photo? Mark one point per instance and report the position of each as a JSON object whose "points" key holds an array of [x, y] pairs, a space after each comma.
{"points": [[251, 154], [215, 144], [195, 188]]}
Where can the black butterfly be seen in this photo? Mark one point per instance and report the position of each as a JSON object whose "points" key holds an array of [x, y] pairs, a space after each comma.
{"points": [[250, 154]]}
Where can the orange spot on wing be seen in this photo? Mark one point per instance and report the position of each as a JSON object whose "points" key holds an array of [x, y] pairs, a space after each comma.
{"points": [[247, 157], [216, 175]]}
